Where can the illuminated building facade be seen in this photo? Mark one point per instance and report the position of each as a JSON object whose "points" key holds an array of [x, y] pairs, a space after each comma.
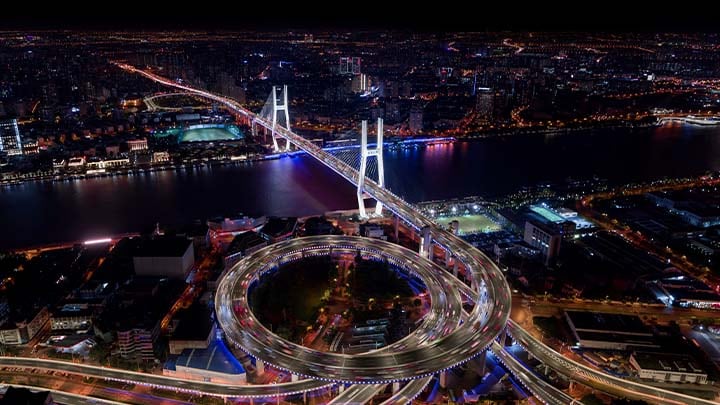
{"points": [[10, 142], [350, 65]]}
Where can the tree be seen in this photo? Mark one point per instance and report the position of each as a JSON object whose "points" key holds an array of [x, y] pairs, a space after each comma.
{"points": [[99, 352], [591, 399]]}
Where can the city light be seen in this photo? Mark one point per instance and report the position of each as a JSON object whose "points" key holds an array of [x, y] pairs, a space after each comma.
{"points": [[547, 202], [97, 241]]}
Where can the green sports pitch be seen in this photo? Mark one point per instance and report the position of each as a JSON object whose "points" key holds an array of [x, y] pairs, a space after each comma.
{"points": [[203, 133], [208, 135], [469, 224]]}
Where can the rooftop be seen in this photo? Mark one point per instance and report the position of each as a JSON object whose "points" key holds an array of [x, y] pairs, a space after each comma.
{"points": [[607, 323], [667, 362], [73, 310], [631, 340], [195, 323], [276, 226], [215, 358], [23, 396], [244, 241], [318, 226], [542, 223], [701, 209], [162, 247], [547, 213], [66, 340]]}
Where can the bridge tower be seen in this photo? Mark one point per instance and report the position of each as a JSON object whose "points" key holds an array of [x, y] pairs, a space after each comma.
{"points": [[365, 153], [276, 110]]}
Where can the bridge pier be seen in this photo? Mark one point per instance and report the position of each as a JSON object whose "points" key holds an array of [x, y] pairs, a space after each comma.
{"points": [[452, 264], [395, 387], [443, 379], [396, 227], [482, 361], [508, 340], [479, 362], [426, 243]]}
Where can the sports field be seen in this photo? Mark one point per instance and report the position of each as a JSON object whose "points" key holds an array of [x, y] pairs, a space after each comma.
{"points": [[471, 223], [207, 135], [203, 133]]}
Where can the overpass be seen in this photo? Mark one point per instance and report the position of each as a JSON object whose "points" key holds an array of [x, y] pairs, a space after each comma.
{"points": [[488, 288], [440, 342], [160, 381], [62, 397], [153, 106]]}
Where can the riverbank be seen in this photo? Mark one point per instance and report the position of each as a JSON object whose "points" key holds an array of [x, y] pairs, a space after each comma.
{"points": [[560, 131], [63, 177], [52, 176], [44, 211]]}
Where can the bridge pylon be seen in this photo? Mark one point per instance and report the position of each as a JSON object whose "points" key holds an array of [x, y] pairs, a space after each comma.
{"points": [[365, 153], [280, 105]]}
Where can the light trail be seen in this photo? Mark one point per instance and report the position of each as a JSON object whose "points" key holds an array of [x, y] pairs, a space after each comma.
{"points": [[490, 290]]}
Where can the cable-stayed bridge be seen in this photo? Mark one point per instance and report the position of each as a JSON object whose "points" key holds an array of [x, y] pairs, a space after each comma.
{"points": [[488, 288]]}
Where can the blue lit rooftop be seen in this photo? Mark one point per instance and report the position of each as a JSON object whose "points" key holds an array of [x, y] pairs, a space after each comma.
{"points": [[547, 213]]}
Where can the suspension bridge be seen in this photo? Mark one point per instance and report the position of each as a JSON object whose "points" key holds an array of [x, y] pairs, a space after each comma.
{"points": [[487, 291]]}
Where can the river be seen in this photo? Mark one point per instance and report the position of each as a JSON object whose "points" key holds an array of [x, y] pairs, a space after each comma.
{"points": [[46, 212]]}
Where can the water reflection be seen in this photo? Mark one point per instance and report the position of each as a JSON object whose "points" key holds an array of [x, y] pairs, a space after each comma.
{"points": [[43, 212]]}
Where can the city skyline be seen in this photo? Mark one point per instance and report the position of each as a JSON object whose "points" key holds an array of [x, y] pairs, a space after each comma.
{"points": [[187, 209]]}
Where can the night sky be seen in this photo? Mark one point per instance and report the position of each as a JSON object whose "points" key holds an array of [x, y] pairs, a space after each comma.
{"points": [[445, 16]]}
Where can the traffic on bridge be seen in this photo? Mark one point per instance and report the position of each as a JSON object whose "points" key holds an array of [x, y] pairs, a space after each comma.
{"points": [[488, 288]]}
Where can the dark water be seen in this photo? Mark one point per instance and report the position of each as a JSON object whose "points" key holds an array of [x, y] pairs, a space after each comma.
{"points": [[37, 213]]}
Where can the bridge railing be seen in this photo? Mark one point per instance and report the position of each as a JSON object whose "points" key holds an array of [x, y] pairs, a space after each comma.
{"points": [[179, 384], [539, 387], [500, 299], [597, 379]]}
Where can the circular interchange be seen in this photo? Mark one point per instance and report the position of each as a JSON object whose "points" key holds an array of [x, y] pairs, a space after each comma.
{"points": [[447, 337]]}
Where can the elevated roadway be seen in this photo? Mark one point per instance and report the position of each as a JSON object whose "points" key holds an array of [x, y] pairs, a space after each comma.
{"points": [[154, 380], [442, 342], [409, 392], [596, 379], [488, 286], [539, 387], [65, 398]]}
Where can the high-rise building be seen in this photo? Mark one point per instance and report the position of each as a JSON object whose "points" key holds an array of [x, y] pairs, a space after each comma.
{"points": [[392, 110], [350, 65], [10, 142], [544, 237], [360, 84], [484, 103], [135, 145], [415, 122], [136, 343]]}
